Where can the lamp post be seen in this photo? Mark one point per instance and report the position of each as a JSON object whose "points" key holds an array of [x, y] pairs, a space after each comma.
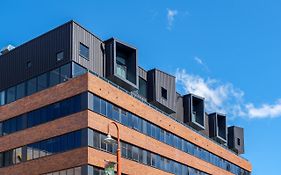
{"points": [[110, 140]]}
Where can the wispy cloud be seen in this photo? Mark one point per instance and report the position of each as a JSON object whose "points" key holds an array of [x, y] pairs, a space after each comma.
{"points": [[265, 110], [202, 63], [224, 97], [171, 17]]}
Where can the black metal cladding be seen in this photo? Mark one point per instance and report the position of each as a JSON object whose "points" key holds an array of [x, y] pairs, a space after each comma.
{"points": [[194, 113], [96, 60], [179, 108], [158, 80], [39, 52], [115, 49], [217, 127], [236, 139]]}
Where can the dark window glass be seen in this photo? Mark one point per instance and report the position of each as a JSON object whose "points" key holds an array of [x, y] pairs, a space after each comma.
{"points": [[164, 93], [1, 131], [84, 51], [109, 110], [97, 140], [103, 145], [144, 126], [60, 56], [28, 64], [148, 158], [54, 77], [20, 90], [116, 113], [2, 98], [148, 127], [1, 160], [77, 70], [144, 155], [103, 107], [124, 149], [97, 105], [142, 87], [65, 72], [135, 153], [124, 118], [153, 160], [121, 66], [129, 151], [238, 141], [42, 81], [11, 94], [31, 86]]}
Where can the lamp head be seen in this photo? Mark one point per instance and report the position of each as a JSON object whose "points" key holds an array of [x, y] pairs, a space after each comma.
{"points": [[109, 140]]}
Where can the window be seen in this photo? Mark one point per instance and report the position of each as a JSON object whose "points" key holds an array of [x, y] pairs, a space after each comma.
{"points": [[65, 72], [2, 98], [142, 87], [54, 77], [164, 93], [97, 105], [31, 86], [238, 141], [28, 64], [77, 70], [1, 130], [11, 94], [20, 90], [121, 66], [42, 81], [84, 51], [60, 56]]}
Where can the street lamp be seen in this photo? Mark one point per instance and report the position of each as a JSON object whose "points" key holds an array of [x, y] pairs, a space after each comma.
{"points": [[110, 140]]}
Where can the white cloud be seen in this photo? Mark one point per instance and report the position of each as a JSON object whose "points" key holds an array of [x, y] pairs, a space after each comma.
{"points": [[224, 97], [198, 60], [265, 111], [171, 17], [202, 63]]}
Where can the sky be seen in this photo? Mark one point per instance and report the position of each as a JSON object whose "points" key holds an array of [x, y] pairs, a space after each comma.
{"points": [[228, 51]]}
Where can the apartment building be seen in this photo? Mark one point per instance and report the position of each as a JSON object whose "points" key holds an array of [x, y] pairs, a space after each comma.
{"points": [[60, 91]]}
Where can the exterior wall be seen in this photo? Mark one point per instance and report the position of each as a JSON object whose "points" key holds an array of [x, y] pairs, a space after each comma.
{"points": [[41, 52], [96, 60], [97, 158], [98, 122], [142, 73], [76, 157], [157, 79], [74, 86], [110, 93], [179, 108]]}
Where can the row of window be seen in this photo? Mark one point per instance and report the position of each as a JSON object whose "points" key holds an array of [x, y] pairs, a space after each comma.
{"points": [[79, 103], [82, 170], [55, 145], [44, 148], [45, 114], [71, 171], [95, 139], [130, 120], [41, 82], [142, 156]]}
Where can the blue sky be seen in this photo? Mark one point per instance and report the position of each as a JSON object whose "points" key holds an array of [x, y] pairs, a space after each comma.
{"points": [[227, 51]]}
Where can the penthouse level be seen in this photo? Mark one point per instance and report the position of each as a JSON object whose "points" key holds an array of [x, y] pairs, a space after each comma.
{"points": [[70, 51]]}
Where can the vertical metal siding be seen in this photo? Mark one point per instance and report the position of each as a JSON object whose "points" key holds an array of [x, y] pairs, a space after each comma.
{"points": [[96, 55], [142, 73], [41, 51], [156, 80]]}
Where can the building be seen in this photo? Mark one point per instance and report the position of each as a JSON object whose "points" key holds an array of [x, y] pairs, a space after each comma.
{"points": [[59, 92]]}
